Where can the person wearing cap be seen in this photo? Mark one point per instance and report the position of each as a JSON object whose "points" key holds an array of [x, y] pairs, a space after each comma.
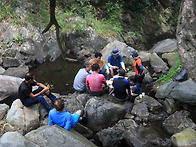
{"points": [[115, 62], [95, 82], [80, 78], [138, 67], [103, 67], [121, 86]]}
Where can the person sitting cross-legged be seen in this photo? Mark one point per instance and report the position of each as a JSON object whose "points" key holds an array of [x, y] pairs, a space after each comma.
{"points": [[121, 86], [29, 98], [62, 117], [94, 82]]}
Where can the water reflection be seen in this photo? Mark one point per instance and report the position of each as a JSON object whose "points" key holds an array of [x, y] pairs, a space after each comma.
{"points": [[59, 73]]}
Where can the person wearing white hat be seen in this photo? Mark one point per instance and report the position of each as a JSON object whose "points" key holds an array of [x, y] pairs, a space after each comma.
{"points": [[115, 62]]}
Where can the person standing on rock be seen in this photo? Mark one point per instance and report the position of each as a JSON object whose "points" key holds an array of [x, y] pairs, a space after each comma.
{"points": [[80, 78], [96, 81], [138, 67], [62, 117], [29, 98], [115, 62], [103, 67]]}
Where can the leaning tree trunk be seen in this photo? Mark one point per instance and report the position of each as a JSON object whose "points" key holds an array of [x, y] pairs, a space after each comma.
{"points": [[53, 21]]}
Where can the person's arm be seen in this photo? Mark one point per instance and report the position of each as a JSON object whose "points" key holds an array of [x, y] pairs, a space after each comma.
{"points": [[122, 65], [50, 121], [68, 123], [41, 92], [141, 69]]}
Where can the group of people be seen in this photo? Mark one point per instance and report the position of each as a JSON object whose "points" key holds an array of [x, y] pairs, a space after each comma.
{"points": [[91, 79]]}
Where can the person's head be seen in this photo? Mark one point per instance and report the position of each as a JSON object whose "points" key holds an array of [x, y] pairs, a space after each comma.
{"points": [[95, 67], [87, 65], [59, 104], [121, 72], [29, 77], [98, 56], [132, 79], [115, 52], [134, 54]]}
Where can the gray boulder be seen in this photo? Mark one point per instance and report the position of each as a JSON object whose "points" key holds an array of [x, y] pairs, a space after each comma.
{"points": [[26, 118], [55, 136], [3, 110], [141, 110], [17, 71], [10, 62], [9, 86], [177, 122], [157, 63], [185, 138], [185, 33], [169, 106], [152, 104], [99, 112], [124, 48], [184, 92], [14, 139], [165, 46], [1, 70]]}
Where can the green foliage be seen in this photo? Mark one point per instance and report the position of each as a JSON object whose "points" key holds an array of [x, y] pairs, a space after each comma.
{"points": [[165, 78], [19, 39]]}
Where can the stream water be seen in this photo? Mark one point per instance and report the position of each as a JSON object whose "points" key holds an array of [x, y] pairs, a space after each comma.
{"points": [[60, 74]]}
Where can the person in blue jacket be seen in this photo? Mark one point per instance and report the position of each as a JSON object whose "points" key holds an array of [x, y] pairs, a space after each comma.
{"points": [[62, 117]]}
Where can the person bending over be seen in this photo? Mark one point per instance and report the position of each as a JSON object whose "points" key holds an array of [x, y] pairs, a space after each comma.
{"points": [[29, 98], [121, 86], [136, 88], [115, 62], [62, 117], [94, 82]]}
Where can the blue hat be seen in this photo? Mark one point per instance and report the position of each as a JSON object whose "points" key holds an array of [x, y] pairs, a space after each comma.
{"points": [[115, 51], [134, 53]]}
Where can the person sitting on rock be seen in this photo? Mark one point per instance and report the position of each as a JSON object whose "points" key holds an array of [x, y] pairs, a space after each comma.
{"points": [[115, 62], [121, 86], [28, 97], [103, 67], [80, 78], [62, 117], [94, 82], [138, 67]]}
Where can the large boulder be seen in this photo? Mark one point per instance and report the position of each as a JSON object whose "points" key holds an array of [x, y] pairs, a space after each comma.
{"points": [[3, 110], [27, 44], [9, 86], [17, 71], [14, 139], [177, 122], [185, 138], [165, 46], [186, 39], [55, 136], [157, 63], [100, 111], [124, 48], [26, 118]]}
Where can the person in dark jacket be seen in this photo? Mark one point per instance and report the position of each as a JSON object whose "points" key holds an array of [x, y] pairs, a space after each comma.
{"points": [[121, 86]]}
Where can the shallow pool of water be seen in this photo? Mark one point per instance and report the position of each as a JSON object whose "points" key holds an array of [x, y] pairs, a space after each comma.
{"points": [[60, 74]]}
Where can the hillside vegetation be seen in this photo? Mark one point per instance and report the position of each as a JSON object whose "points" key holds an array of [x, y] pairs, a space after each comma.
{"points": [[139, 23]]}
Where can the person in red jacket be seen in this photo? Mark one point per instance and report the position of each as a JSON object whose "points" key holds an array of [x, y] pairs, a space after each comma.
{"points": [[138, 67]]}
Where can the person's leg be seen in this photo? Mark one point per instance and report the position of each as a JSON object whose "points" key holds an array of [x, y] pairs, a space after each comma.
{"points": [[40, 99], [50, 95]]}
